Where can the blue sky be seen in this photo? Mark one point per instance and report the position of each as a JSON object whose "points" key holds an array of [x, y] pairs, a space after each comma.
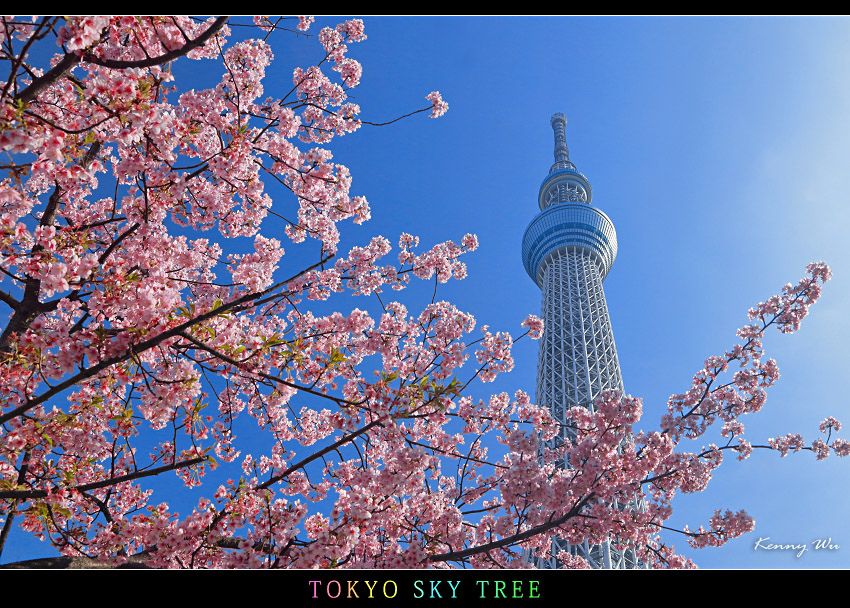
{"points": [[719, 147]]}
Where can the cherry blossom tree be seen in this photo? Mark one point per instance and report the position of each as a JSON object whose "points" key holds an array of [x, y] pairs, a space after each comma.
{"points": [[140, 339]]}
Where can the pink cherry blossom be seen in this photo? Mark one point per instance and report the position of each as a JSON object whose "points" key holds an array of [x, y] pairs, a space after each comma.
{"points": [[156, 317], [438, 106], [304, 22]]}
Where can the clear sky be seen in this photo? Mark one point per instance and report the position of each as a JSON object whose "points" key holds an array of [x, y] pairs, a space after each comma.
{"points": [[719, 147]]}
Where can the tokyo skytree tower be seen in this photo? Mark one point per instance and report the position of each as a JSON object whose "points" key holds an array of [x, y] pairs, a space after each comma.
{"points": [[568, 250]]}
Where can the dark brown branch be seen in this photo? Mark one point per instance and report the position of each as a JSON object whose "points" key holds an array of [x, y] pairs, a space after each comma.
{"points": [[160, 59], [105, 483], [40, 31], [342, 441], [140, 347], [73, 563], [8, 299], [29, 305], [52, 75], [71, 59], [237, 364], [10, 516], [515, 538]]}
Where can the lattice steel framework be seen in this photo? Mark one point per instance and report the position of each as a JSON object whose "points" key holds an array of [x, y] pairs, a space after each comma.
{"points": [[568, 250]]}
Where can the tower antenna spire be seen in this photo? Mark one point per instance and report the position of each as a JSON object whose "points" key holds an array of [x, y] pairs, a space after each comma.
{"points": [[559, 123], [562, 152]]}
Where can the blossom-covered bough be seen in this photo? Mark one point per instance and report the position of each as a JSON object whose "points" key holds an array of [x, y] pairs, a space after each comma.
{"points": [[139, 339]]}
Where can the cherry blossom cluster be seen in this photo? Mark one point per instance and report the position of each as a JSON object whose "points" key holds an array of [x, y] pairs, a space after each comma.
{"points": [[438, 106], [821, 448], [534, 324], [722, 528], [692, 412], [153, 317]]}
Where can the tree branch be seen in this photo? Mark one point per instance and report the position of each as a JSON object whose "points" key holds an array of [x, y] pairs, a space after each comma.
{"points": [[135, 349], [30, 494], [160, 59], [515, 538], [71, 59]]}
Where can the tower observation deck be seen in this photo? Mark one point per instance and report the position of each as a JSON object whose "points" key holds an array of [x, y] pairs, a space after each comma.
{"points": [[568, 250]]}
